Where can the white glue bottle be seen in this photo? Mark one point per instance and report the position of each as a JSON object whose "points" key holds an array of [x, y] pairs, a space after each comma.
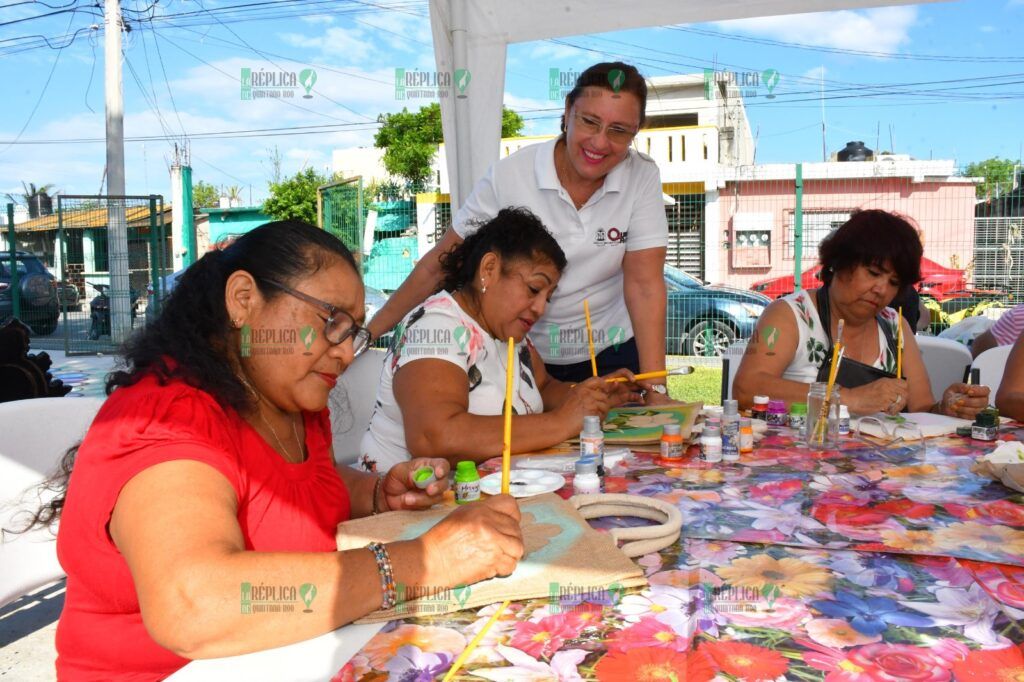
{"points": [[592, 441], [731, 431]]}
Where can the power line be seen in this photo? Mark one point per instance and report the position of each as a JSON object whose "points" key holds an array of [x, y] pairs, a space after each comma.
{"points": [[220, 134]]}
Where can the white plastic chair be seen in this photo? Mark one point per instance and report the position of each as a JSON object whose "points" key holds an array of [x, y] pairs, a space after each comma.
{"points": [[351, 402], [731, 359], [36, 434], [991, 365], [945, 360]]}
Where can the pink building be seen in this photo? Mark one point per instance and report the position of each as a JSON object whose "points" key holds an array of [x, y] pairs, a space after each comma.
{"points": [[756, 204]]}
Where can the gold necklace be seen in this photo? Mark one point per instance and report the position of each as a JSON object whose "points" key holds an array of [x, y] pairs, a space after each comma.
{"points": [[284, 450]]}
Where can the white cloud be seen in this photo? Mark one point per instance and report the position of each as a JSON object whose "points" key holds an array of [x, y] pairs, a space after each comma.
{"points": [[348, 43], [318, 19], [883, 29]]}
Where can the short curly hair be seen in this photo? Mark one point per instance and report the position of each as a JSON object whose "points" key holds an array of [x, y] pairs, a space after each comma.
{"points": [[873, 238], [513, 234]]}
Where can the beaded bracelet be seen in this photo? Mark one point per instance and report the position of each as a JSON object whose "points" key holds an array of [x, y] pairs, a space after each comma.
{"points": [[376, 491], [387, 577]]}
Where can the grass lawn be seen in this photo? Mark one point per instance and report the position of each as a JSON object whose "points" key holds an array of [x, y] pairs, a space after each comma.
{"points": [[705, 385]]}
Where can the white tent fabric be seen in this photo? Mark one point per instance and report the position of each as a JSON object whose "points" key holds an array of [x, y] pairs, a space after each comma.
{"points": [[472, 35]]}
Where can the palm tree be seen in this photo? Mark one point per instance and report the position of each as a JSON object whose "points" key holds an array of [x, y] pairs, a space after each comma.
{"points": [[29, 195]]}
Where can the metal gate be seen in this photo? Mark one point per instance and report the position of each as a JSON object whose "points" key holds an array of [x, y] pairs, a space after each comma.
{"points": [[686, 234], [341, 211], [107, 289]]}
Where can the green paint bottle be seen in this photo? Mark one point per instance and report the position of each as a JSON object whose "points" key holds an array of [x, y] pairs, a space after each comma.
{"points": [[467, 483]]}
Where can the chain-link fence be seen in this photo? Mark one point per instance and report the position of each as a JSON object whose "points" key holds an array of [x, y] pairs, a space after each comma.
{"points": [[90, 273]]}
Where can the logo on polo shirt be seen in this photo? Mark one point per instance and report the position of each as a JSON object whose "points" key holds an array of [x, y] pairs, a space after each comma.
{"points": [[611, 236]]}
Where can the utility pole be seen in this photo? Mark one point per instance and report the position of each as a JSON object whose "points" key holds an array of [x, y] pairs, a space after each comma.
{"points": [[117, 228]]}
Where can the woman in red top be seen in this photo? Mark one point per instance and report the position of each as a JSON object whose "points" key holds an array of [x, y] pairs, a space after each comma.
{"points": [[200, 516]]}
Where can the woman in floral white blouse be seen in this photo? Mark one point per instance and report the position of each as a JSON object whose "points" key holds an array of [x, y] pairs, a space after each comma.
{"points": [[443, 386], [864, 264]]}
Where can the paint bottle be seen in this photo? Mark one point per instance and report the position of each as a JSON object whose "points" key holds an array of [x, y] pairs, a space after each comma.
{"points": [[671, 444], [777, 413], [798, 417], [467, 482], [592, 441], [586, 481], [746, 436], [760, 409], [844, 420], [711, 444], [986, 424], [731, 431]]}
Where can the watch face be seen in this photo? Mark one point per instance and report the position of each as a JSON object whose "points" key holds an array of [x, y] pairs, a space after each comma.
{"points": [[660, 388]]}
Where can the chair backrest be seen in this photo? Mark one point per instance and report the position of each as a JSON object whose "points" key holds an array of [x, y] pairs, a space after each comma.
{"points": [[945, 360], [731, 359], [991, 365], [352, 401], [35, 435]]}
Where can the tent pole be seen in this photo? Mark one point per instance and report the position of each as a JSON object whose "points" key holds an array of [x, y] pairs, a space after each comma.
{"points": [[463, 182]]}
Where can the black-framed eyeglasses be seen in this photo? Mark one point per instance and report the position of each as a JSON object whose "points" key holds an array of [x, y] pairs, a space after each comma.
{"points": [[339, 327], [614, 132]]}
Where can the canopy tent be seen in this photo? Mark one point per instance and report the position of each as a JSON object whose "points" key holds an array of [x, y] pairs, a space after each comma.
{"points": [[471, 38]]}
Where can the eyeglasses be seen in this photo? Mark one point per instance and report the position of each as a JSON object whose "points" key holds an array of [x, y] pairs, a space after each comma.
{"points": [[614, 132], [340, 326]]}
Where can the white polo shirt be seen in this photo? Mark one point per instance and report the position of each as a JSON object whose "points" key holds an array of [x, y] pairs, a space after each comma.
{"points": [[626, 213]]}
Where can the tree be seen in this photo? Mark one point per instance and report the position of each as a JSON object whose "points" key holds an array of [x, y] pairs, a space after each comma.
{"points": [[410, 140], [205, 195], [30, 190], [295, 197], [998, 174]]}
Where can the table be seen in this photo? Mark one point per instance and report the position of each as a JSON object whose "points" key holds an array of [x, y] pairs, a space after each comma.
{"points": [[865, 563]]}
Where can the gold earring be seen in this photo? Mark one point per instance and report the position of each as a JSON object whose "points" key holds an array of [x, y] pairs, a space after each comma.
{"points": [[483, 287]]}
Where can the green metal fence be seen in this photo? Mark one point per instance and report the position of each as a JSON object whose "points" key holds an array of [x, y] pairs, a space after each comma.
{"points": [[97, 291]]}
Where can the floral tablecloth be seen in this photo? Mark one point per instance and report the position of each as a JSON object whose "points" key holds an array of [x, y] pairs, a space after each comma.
{"points": [[861, 564]]}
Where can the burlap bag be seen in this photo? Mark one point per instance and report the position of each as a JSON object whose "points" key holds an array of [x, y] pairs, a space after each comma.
{"points": [[565, 559]]}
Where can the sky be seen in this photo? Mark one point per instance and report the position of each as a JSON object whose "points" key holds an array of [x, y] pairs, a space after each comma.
{"points": [[943, 80]]}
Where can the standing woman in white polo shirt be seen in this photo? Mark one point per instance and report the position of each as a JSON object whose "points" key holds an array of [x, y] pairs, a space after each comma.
{"points": [[602, 201]]}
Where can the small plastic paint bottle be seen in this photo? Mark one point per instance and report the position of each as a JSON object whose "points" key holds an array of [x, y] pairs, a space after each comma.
{"points": [[777, 414], [746, 436], [711, 444], [586, 481], [986, 424], [467, 482], [592, 441], [798, 416], [760, 409], [671, 444], [844, 420]]}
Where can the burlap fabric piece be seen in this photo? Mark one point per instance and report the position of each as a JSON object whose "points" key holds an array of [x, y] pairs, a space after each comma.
{"points": [[564, 556]]}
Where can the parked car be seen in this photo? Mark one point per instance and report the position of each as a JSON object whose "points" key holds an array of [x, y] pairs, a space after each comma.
{"points": [[704, 319], [40, 308], [938, 281]]}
